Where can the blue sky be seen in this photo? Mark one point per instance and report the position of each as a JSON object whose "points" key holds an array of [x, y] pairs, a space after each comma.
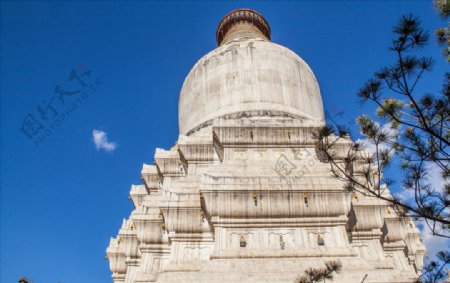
{"points": [[62, 200]]}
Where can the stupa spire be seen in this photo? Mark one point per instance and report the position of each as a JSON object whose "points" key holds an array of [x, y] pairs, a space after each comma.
{"points": [[242, 23]]}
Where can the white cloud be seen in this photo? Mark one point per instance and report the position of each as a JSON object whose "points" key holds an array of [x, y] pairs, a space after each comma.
{"points": [[433, 243], [370, 146], [406, 195], [101, 141], [435, 177]]}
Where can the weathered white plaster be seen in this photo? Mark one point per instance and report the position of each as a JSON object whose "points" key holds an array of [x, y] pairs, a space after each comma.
{"points": [[249, 75]]}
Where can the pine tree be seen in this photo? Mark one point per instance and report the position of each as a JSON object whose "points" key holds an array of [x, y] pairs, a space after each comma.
{"points": [[411, 128]]}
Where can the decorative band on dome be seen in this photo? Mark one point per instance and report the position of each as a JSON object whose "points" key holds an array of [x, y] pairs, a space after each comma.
{"points": [[238, 16]]}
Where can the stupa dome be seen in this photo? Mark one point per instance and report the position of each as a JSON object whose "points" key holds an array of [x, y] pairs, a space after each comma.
{"points": [[250, 75]]}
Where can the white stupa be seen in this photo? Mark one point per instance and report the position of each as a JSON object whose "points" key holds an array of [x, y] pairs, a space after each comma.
{"points": [[244, 195]]}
